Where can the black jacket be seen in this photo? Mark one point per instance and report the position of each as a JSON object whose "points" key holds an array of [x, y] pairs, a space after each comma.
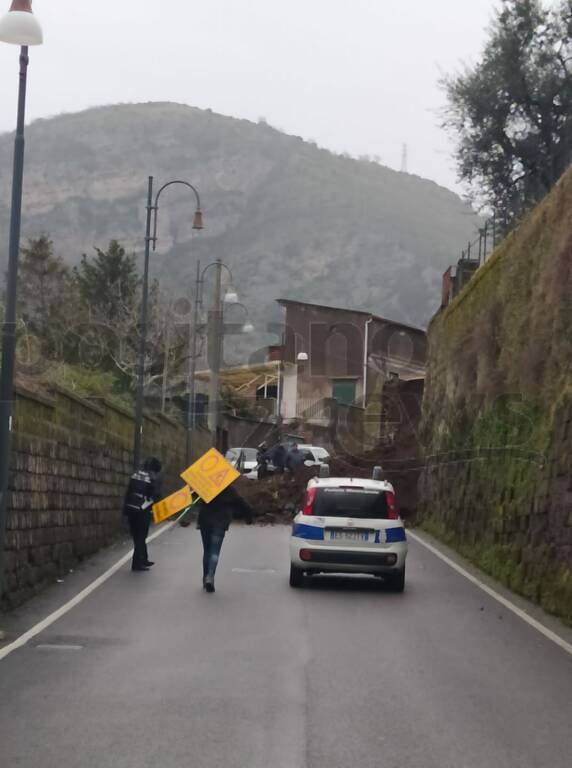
{"points": [[295, 460], [277, 455], [221, 510], [142, 488]]}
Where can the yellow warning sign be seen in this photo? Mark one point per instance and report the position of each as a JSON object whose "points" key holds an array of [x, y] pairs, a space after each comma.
{"points": [[210, 475], [168, 507]]}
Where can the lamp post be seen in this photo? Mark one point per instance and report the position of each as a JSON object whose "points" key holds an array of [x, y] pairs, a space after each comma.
{"points": [[368, 322], [151, 223], [191, 415], [17, 27], [215, 354], [230, 298], [215, 336]]}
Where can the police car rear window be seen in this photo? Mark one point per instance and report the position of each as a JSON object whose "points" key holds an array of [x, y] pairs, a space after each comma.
{"points": [[351, 502]]}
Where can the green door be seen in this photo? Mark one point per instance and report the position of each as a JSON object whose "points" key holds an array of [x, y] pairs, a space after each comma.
{"points": [[344, 391]]}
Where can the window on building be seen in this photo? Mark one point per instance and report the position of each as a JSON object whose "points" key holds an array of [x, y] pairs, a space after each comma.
{"points": [[336, 355], [344, 391], [270, 391]]}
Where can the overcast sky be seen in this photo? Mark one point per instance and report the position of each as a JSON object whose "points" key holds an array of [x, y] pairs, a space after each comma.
{"points": [[353, 75]]}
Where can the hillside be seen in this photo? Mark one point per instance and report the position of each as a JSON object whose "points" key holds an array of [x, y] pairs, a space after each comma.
{"points": [[289, 218]]}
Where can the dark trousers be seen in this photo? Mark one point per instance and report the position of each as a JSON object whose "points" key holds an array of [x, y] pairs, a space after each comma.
{"points": [[139, 522], [212, 543]]}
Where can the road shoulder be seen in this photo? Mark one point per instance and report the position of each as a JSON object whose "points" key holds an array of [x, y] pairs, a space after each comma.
{"points": [[549, 626]]}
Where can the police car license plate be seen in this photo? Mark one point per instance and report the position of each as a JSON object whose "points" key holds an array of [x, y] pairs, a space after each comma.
{"points": [[349, 535]]}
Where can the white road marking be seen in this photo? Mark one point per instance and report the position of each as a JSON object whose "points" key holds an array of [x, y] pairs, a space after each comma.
{"points": [[534, 623], [79, 598], [254, 570], [58, 647]]}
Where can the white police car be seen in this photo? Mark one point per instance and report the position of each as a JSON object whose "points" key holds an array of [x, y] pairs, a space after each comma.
{"points": [[349, 525]]}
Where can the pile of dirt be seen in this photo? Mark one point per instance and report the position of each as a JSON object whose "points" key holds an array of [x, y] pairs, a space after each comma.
{"points": [[275, 500], [401, 463]]}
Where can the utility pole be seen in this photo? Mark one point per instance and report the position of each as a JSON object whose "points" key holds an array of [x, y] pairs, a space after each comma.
{"points": [[138, 436], [404, 159], [191, 407], [166, 360], [215, 344]]}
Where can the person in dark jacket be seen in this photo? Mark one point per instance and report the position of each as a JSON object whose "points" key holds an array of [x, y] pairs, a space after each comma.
{"points": [[295, 461], [143, 491], [214, 521], [262, 459], [278, 457]]}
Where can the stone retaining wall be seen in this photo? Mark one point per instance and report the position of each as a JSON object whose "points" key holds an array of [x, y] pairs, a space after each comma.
{"points": [[71, 460], [509, 510], [497, 411]]}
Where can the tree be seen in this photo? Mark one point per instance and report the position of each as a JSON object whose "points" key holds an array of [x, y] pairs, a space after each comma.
{"points": [[109, 282], [511, 113], [47, 297], [111, 292], [89, 317]]}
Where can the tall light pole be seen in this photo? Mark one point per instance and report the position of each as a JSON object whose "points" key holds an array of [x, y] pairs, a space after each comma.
{"points": [[18, 27], [191, 414], [215, 354], [151, 239], [215, 331]]}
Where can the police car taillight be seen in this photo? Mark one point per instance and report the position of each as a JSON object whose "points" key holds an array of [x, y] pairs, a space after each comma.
{"points": [[392, 512], [309, 499]]}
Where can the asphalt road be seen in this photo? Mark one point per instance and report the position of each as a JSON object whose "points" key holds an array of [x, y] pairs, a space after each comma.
{"points": [[150, 671]]}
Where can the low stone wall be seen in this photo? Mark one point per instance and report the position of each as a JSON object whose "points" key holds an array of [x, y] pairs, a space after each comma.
{"points": [[71, 460]]}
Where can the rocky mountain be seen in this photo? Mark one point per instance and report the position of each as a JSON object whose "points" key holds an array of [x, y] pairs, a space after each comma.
{"points": [[290, 219]]}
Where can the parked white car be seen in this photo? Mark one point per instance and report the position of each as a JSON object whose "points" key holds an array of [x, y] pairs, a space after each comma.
{"points": [[247, 458], [314, 455], [348, 525]]}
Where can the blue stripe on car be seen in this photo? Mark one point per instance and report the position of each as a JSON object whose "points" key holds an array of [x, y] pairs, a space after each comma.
{"points": [[301, 531], [393, 535]]}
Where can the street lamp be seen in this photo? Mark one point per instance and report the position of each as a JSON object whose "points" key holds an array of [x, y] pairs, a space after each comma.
{"points": [[17, 27], [245, 327], [152, 218], [231, 298], [215, 335]]}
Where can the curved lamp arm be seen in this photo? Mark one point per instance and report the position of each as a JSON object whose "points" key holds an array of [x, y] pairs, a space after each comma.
{"points": [[241, 305], [198, 218], [205, 270], [214, 264]]}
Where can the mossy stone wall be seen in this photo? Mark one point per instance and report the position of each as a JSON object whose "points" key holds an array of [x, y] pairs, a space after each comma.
{"points": [[497, 412], [71, 461]]}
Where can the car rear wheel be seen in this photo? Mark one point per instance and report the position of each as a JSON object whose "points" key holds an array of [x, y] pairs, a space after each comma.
{"points": [[296, 576], [397, 580]]}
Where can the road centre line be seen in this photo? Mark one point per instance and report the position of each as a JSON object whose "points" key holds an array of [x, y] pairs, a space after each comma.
{"points": [[505, 602], [79, 598]]}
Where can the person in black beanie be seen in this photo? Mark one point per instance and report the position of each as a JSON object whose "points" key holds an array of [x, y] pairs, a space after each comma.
{"points": [[143, 491]]}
